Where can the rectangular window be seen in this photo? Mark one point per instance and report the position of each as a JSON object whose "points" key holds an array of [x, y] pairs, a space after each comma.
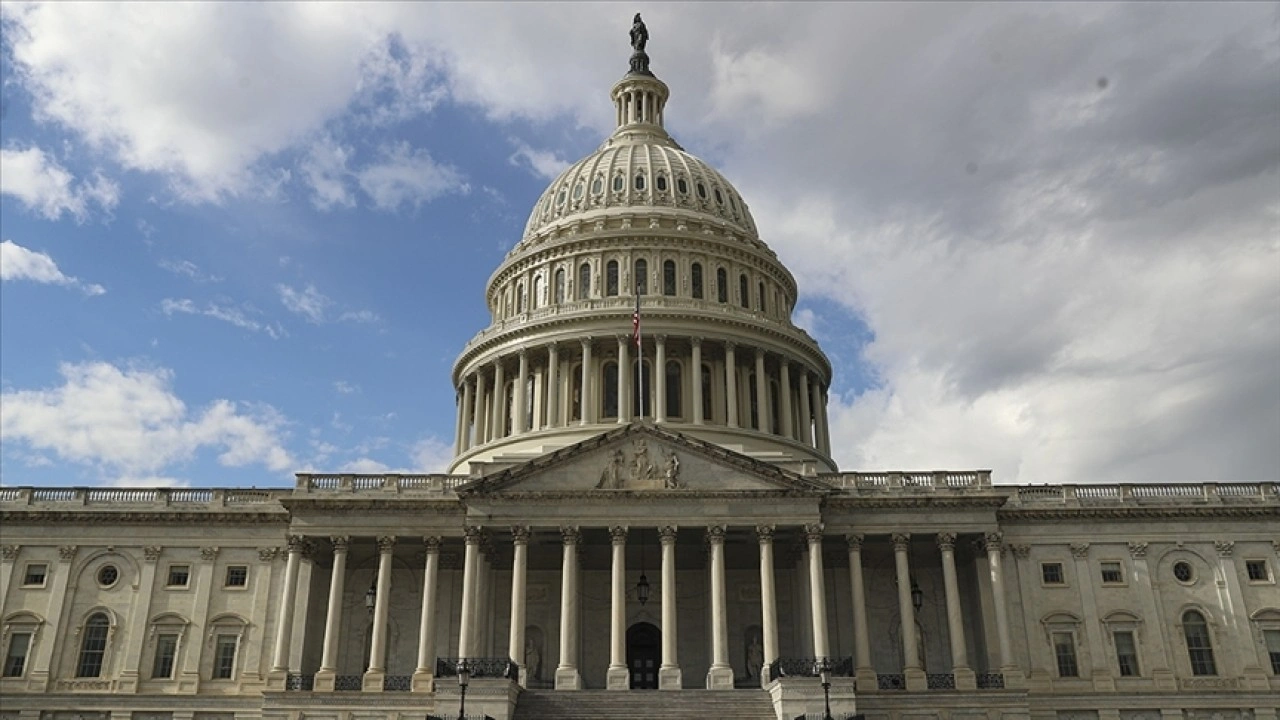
{"points": [[224, 657], [237, 575], [179, 575], [1112, 573], [1064, 650], [1126, 653], [1051, 573], [1257, 570], [35, 575], [1272, 639], [166, 651], [15, 658]]}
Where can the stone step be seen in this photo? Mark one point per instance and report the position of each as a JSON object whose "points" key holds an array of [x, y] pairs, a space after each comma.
{"points": [[644, 705]]}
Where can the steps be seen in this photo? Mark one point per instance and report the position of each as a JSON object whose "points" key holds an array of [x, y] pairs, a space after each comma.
{"points": [[747, 704]]}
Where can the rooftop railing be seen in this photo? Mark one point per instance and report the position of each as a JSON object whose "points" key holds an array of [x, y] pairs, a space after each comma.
{"points": [[1143, 494], [140, 498], [388, 484], [907, 481]]}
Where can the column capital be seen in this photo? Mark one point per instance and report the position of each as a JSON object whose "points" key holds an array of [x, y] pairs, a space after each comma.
{"points": [[67, 552], [1080, 550], [623, 339], [730, 345], [296, 543], [586, 342], [946, 541], [570, 535], [618, 534], [268, 554], [472, 534], [553, 347], [152, 552], [9, 553], [340, 543], [1020, 551], [660, 338], [813, 532], [520, 534], [386, 543], [695, 341], [715, 534], [764, 533], [1224, 548], [432, 543], [1138, 549], [993, 541], [522, 352], [901, 541], [855, 541], [667, 534], [209, 554]]}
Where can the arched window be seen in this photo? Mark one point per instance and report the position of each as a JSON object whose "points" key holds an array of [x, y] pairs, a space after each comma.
{"points": [[640, 182], [618, 183], [611, 278], [744, 291], [661, 182], [695, 274], [722, 285], [609, 408], [1199, 646], [536, 300], [762, 305], [642, 277], [559, 286], [519, 298], [575, 394], [674, 390], [93, 646], [584, 281], [669, 277]]}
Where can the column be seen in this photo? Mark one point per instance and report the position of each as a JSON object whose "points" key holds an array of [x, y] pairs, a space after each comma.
{"points": [[1246, 656], [381, 609], [498, 415], [805, 410], [618, 677], [864, 669], [333, 616], [588, 387], [819, 419], [1158, 657], [768, 602], [284, 630], [470, 569], [784, 397], [521, 423], [993, 542], [762, 395], [720, 675], [731, 384], [203, 592], [1095, 656], [519, 571], [457, 433], [624, 378], [552, 402], [965, 679], [60, 579], [669, 674], [817, 590], [464, 439], [659, 401], [8, 559], [138, 620], [478, 411], [567, 677], [907, 613], [424, 674], [696, 376]]}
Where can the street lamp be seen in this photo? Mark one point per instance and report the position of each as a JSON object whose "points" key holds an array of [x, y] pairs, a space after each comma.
{"points": [[464, 677], [371, 595], [917, 595], [824, 672]]}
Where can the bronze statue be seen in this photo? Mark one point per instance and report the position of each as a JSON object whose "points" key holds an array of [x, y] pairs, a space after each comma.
{"points": [[639, 34]]}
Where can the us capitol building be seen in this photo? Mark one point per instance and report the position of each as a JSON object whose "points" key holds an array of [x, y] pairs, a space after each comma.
{"points": [[643, 528]]}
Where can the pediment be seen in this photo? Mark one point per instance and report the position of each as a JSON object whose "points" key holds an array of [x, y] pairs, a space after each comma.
{"points": [[641, 458]]}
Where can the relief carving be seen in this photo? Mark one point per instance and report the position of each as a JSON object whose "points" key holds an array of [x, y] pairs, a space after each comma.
{"points": [[638, 471]]}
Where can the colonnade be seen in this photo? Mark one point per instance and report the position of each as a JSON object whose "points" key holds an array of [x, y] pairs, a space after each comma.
{"points": [[689, 380], [720, 674]]}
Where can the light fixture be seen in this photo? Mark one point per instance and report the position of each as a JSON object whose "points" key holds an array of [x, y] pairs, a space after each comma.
{"points": [[371, 595], [464, 678], [917, 595], [824, 674]]}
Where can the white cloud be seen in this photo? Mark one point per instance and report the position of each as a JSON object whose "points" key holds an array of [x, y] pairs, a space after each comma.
{"points": [[543, 163], [129, 423], [308, 302], [188, 269], [45, 187], [19, 263], [342, 387], [430, 454], [325, 171], [364, 317], [240, 317], [405, 176]]}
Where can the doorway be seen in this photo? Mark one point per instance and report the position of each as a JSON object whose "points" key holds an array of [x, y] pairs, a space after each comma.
{"points": [[644, 655]]}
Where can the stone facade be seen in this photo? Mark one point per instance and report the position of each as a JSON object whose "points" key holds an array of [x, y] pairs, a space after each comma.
{"points": [[631, 511]]}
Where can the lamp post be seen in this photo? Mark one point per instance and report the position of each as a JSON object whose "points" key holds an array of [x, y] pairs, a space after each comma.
{"points": [[371, 595], [824, 672], [464, 677]]}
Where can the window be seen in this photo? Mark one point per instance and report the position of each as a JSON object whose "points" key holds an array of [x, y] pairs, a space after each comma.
{"points": [[1257, 570], [722, 285], [706, 392], [682, 187], [719, 197], [35, 575], [611, 278], [1199, 646], [577, 190], [15, 657], [1182, 572], [560, 198], [1126, 653], [584, 281], [166, 651], [536, 300], [1272, 640], [610, 409], [93, 646], [519, 297], [224, 657], [618, 183], [744, 291], [642, 277], [179, 576], [702, 191], [673, 390], [661, 182], [695, 273], [762, 305], [237, 576], [559, 286], [1051, 574], [669, 277], [640, 182], [1112, 573], [597, 186], [1064, 651], [108, 575]]}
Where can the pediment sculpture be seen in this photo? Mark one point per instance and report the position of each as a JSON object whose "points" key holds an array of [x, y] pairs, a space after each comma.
{"points": [[636, 470]]}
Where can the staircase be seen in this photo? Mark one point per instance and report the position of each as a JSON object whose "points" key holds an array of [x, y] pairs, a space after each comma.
{"points": [[644, 705]]}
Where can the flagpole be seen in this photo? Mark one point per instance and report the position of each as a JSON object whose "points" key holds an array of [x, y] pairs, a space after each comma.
{"points": [[639, 354]]}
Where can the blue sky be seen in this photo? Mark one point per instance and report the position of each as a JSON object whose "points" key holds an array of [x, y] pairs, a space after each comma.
{"points": [[246, 240]]}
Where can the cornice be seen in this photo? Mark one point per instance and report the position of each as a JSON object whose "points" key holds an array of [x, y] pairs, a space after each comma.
{"points": [[391, 504], [977, 502], [100, 517], [1145, 512], [614, 497]]}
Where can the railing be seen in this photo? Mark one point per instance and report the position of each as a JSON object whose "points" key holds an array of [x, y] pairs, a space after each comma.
{"points": [[894, 681], [990, 681], [794, 667], [140, 498], [397, 683], [940, 681], [1144, 494], [479, 667], [348, 683], [300, 682], [912, 481], [390, 484]]}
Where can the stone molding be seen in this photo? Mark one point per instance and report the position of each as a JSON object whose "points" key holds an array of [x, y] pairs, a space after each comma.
{"points": [[946, 541], [1224, 547], [1138, 549], [901, 541], [715, 534], [340, 543], [993, 541], [765, 533], [570, 535], [268, 554], [855, 541], [152, 552], [67, 552], [1080, 550], [520, 534], [667, 534], [813, 533], [1021, 552], [209, 554], [386, 543], [618, 534], [9, 552]]}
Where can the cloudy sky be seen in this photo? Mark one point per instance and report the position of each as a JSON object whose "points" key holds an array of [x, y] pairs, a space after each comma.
{"points": [[239, 240]]}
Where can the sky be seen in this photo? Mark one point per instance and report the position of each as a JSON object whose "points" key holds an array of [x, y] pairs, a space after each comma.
{"points": [[243, 240]]}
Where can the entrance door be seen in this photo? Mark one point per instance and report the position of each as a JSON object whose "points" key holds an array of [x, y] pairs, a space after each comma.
{"points": [[644, 655]]}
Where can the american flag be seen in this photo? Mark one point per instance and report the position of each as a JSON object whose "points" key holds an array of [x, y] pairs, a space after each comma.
{"points": [[635, 322]]}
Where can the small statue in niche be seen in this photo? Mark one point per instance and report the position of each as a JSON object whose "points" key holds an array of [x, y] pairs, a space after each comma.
{"points": [[671, 473]]}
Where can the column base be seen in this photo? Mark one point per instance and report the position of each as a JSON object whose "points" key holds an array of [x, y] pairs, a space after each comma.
{"points": [[720, 678], [670, 678], [373, 681], [276, 680], [965, 678], [917, 681], [128, 682], [568, 679], [867, 680], [1013, 678], [325, 680], [1103, 682], [1165, 680], [618, 678], [422, 682]]}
